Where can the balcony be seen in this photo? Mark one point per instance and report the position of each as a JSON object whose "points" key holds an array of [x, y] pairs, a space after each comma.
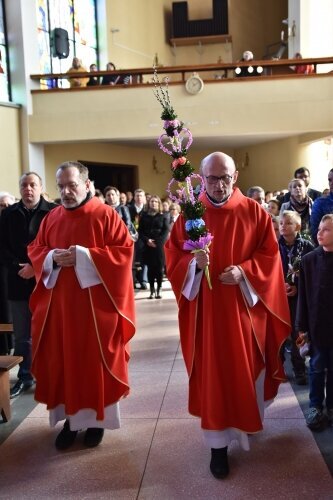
{"points": [[229, 111]]}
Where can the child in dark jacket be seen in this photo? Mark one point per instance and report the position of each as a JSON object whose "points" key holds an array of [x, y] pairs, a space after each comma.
{"points": [[314, 316], [292, 248]]}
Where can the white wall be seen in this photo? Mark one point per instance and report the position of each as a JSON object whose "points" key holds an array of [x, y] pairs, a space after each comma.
{"points": [[313, 33], [21, 20], [318, 156]]}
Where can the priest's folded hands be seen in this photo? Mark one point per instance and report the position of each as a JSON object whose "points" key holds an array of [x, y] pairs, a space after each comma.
{"points": [[231, 275], [65, 258]]}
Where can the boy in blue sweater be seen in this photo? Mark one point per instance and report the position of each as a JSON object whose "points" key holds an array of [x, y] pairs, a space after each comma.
{"points": [[321, 207]]}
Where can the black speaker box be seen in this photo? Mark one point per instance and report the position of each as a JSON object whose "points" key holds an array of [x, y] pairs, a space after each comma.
{"points": [[60, 43]]}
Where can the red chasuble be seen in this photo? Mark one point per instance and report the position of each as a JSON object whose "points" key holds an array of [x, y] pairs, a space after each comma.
{"points": [[80, 336], [225, 343]]}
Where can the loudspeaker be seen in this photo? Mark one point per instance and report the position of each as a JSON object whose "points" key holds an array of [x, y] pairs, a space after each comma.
{"points": [[60, 43]]}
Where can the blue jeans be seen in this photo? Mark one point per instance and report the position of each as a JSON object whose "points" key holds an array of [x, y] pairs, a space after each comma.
{"points": [[22, 335], [321, 377]]}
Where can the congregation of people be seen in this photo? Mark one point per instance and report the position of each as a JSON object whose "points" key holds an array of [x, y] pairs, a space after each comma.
{"points": [[114, 78], [92, 81], [137, 235]]}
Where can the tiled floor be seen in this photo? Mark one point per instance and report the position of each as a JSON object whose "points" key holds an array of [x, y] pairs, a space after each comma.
{"points": [[158, 453]]}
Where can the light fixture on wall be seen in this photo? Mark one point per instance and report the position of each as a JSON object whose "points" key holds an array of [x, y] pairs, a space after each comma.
{"points": [[155, 167], [249, 70]]}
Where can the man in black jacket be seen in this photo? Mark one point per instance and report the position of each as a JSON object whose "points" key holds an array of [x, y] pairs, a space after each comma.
{"points": [[19, 225], [140, 271]]}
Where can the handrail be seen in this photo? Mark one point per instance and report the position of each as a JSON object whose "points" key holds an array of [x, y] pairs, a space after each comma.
{"points": [[140, 72]]}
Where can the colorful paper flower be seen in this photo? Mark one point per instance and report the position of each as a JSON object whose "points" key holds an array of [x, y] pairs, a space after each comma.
{"points": [[176, 142], [178, 162]]}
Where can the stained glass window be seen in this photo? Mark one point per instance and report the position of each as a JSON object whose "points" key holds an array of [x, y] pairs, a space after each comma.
{"points": [[4, 70], [78, 18]]}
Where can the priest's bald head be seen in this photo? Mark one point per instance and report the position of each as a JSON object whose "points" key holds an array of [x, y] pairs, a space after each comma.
{"points": [[219, 173], [73, 183]]}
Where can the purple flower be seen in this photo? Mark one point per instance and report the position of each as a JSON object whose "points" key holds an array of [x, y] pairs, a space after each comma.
{"points": [[199, 244]]}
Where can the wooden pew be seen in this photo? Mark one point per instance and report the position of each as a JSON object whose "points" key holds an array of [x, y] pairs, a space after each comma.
{"points": [[6, 328], [6, 364]]}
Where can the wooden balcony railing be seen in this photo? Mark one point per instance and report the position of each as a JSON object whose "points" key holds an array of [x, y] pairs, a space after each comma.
{"points": [[209, 73]]}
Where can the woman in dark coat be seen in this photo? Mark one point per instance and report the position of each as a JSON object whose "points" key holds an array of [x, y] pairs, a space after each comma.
{"points": [[153, 232], [299, 202]]}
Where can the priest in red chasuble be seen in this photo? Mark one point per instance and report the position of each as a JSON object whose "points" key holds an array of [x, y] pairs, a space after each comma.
{"points": [[82, 311], [232, 334]]}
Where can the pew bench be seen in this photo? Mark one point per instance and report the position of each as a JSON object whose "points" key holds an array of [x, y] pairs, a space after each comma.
{"points": [[6, 328], [6, 364]]}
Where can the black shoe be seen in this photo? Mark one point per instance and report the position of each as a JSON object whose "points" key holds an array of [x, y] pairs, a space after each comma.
{"points": [[158, 293], [93, 436], [219, 465], [66, 437], [143, 286], [19, 387], [152, 292]]}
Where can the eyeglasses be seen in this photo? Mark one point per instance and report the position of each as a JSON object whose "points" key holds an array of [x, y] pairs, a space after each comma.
{"points": [[212, 179]]}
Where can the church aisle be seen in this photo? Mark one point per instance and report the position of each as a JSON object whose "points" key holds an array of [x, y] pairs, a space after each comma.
{"points": [[158, 453]]}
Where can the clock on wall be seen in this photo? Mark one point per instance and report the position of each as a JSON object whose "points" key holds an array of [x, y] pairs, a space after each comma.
{"points": [[194, 85]]}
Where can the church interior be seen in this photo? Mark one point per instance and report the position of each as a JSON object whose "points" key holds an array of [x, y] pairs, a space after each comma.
{"points": [[270, 124]]}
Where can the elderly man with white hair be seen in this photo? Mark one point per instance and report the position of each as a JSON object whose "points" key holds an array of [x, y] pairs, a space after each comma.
{"points": [[6, 199], [249, 70], [231, 335], [257, 194]]}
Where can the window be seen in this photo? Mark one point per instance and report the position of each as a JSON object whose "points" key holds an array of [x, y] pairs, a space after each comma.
{"points": [[78, 18], [4, 69]]}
